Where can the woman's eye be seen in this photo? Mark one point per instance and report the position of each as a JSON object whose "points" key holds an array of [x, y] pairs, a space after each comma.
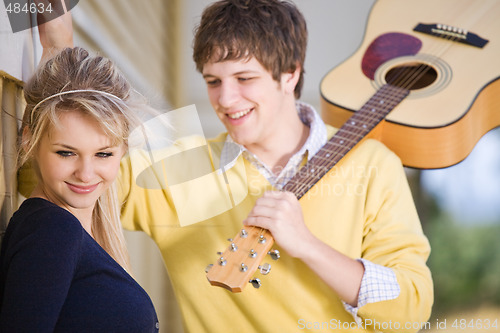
{"points": [[64, 153], [104, 155]]}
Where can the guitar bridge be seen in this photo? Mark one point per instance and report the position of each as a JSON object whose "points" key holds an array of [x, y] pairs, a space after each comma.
{"points": [[452, 33]]}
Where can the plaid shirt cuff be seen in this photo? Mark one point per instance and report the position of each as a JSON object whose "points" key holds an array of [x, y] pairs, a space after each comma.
{"points": [[379, 283]]}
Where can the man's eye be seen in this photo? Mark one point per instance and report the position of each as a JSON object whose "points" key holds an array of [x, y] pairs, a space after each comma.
{"points": [[212, 82], [243, 79]]}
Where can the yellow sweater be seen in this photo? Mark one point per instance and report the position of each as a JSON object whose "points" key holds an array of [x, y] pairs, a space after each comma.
{"points": [[362, 207]]}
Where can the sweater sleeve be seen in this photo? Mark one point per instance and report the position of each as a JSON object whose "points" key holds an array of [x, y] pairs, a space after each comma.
{"points": [[143, 186], [393, 238], [42, 259], [142, 207], [26, 179]]}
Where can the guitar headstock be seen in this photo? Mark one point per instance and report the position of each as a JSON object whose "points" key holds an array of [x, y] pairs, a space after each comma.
{"points": [[236, 266]]}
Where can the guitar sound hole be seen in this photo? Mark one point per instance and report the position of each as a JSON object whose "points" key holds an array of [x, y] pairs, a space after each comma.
{"points": [[412, 77]]}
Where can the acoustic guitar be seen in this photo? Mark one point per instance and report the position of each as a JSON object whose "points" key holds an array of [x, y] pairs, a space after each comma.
{"points": [[447, 54], [424, 82]]}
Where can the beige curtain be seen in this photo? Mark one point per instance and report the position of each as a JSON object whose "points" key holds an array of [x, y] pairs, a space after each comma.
{"points": [[12, 103], [140, 37]]}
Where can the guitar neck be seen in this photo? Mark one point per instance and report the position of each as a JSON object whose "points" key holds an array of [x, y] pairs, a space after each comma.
{"points": [[240, 260], [350, 134]]}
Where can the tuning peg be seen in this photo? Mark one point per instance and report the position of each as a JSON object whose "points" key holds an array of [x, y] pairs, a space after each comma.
{"points": [[265, 269], [222, 261], [243, 267], [208, 268], [233, 247], [252, 253], [255, 283], [243, 233], [262, 239], [275, 254]]}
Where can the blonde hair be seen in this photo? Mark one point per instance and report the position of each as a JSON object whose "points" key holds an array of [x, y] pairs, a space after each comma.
{"points": [[75, 80]]}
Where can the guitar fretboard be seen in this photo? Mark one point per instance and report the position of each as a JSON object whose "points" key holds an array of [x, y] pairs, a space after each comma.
{"points": [[350, 134]]}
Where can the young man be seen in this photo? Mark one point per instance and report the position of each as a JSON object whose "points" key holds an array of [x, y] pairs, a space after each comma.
{"points": [[353, 252], [353, 255]]}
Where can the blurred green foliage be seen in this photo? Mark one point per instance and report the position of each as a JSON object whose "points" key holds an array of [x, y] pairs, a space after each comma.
{"points": [[465, 263]]}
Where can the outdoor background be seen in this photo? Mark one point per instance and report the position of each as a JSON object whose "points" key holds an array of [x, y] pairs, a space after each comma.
{"points": [[151, 40]]}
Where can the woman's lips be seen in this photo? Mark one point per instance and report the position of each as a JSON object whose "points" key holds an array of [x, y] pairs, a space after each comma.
{"points": [[80, 189]]}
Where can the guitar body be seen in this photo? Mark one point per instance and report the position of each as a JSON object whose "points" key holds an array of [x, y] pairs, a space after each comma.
{"points": [[440, 121]]}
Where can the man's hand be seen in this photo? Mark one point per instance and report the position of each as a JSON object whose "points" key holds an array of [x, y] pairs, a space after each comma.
{"points": [[281, 214]]}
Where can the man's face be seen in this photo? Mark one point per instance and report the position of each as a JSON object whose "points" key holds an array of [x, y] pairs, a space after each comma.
{"points": [[249, 102]]}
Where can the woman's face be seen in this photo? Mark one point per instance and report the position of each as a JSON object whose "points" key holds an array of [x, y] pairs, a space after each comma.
{"points": [[77, 162]]}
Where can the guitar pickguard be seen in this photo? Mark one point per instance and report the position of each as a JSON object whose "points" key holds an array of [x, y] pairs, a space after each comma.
{"points": [[386, 47]]}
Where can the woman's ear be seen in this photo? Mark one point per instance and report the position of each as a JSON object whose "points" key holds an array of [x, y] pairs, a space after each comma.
{"points": [[25, 139], [290, 79]]}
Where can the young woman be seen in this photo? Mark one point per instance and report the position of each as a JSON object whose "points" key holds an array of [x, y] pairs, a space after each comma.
{"points": [[63, 263]]}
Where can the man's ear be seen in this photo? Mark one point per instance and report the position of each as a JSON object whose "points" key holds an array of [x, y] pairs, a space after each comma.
{"points": [[290, 79]]}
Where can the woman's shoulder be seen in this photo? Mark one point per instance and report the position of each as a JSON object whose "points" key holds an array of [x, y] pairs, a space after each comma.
{"points": [[42, 232], [42, 216], [39, 207]]}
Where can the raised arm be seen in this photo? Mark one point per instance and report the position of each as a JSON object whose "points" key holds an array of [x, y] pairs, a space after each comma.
{"points": [[56, 35]]}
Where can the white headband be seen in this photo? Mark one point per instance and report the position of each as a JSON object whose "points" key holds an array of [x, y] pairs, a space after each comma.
{"points": [[70, 92]]}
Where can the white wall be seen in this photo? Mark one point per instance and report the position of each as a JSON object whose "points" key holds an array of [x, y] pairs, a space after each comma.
{"points": [[18, 54]]}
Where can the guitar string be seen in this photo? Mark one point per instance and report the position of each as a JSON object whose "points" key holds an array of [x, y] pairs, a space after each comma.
{"points": [[408, 81], [352, 135], [464, 17], [409, 76], [340, 149], [369, 121]]}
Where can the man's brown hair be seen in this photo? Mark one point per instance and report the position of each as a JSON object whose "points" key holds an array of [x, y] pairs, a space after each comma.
{"points": [[272, 31]]}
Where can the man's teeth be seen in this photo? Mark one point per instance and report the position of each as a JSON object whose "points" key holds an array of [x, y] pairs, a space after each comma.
{"points": [[238, 115]]}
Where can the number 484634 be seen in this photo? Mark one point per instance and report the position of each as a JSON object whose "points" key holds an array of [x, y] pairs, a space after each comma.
{"points": [[477, 324], [32, 8]]}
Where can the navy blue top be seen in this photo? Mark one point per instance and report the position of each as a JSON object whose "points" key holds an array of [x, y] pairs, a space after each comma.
{"points": [[54, 277]]}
